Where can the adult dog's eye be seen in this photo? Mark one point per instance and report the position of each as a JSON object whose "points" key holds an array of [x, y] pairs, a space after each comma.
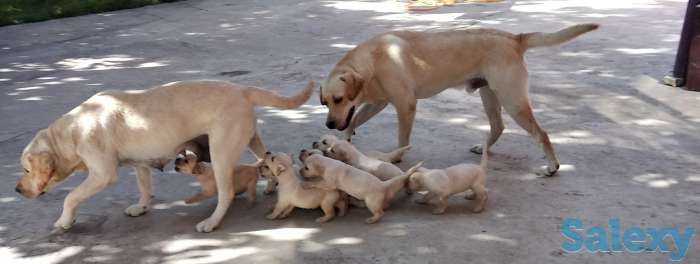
{"points": [[324, 142], [265, 167], [337, 100], [306, 168], [332, 151], [26, 170]]}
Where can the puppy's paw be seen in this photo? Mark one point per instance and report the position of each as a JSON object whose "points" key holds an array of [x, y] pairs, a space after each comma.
{"points": [[438, 211], [206, 226], [477, 149], [63, 224], [270, 217], [323, 219], [372, 220], [136, 210]]}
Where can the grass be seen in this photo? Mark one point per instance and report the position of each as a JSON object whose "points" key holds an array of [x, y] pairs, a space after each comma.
{"points": [[25, 11]]}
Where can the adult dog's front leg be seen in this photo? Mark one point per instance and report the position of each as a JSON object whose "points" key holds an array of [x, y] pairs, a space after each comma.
{"points": [[143, 175], [226, 151], [365, 112], [98, 179], [406, 113]]}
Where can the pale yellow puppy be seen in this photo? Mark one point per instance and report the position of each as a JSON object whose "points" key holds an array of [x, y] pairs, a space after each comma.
{"points": [[357, 183], [394, 156], [245, 178], [442, 183], [291, 194], [344, 151]]}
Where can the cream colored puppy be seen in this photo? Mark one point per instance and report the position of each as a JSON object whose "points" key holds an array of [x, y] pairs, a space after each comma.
{"points": [[357, 183], [344, 151], [290, 193], [394, 156], [451, 180], [245, 178], [400, 67], [145, 127]]}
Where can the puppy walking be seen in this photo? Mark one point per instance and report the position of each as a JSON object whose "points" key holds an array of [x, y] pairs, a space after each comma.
{"points": [[344, 151], [393, 156], [245, 178], [357, 183], [291, 194], [454, 179]]}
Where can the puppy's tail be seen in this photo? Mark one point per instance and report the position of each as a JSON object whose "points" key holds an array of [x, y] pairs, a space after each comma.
{"points": [[267, 98], [539, 39], [397, 183], [396, 155]]}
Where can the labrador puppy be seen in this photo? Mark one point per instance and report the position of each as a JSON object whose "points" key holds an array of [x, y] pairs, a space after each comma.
{"points": [[245, 177], [394, 156], [291, 194], [401, 67], [357, 183], [344, 151], [442, 183], [143, 127]]}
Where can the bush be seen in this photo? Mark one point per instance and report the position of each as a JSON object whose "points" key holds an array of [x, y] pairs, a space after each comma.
{"points": [[24, 11]]}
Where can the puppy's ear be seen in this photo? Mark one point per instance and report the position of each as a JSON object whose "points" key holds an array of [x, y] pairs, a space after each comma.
{"points": [[354, 83]]}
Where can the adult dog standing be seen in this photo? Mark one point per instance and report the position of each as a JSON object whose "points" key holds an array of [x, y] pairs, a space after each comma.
{"points": [[145, 127], [401, 67]]}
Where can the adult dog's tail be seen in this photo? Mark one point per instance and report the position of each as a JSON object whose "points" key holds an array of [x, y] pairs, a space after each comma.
{"points": [[267, 98], [397, 183], [539, 39]]}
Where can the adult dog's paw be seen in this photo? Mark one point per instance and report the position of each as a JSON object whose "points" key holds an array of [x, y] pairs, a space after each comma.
{"points": [[63, 224], [206, 226], [136, 210]]}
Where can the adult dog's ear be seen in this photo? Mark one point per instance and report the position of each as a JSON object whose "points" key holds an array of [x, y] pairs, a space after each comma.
{"points": [[42, 166], [354, 83]]}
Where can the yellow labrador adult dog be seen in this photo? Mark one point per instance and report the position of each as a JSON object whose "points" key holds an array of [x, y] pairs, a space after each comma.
{"points": [[145, 127], [401, 67]]}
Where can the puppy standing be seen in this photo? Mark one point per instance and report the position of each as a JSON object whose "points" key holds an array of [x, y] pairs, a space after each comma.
{"points": [[290, 193], [335, 174], [454, 179], [394, 156], [245, 178], [344, 151]]}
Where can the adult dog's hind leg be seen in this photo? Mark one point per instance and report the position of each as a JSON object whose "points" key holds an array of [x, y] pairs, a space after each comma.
{"points": [[143, 175], [226, 147], [512, 93], [492, 107]]}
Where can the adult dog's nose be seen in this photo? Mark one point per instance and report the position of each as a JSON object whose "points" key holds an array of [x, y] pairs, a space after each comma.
{"points": [[17, 189], [330, 124]]}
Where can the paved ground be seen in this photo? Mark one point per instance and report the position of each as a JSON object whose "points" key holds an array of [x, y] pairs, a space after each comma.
{"points": [[630, 146]]}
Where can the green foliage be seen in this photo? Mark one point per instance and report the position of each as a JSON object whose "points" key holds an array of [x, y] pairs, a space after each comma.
{"points": [[24, 11]]}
